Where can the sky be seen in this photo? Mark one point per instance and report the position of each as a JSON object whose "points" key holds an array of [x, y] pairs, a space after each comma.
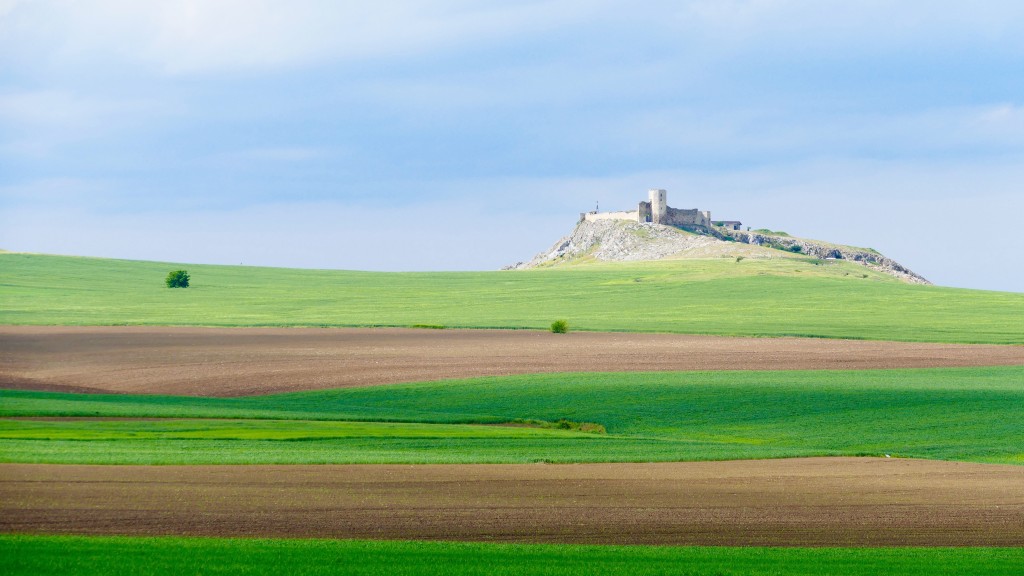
{"points": [[467, 135]]}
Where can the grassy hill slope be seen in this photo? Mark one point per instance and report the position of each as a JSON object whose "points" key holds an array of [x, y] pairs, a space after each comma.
{"points": [[796, 297]]}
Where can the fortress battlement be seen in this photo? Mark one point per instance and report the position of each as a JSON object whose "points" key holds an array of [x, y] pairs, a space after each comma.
{"points": [[656, 210]]}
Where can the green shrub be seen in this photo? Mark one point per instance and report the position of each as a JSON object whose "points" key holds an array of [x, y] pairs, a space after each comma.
{"points": [[739, 258], [560, 326], [562, 424], [796, 248], [771, 232], [177, 279]]}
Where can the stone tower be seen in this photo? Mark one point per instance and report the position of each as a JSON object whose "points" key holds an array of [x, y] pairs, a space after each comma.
{"points": [[659, 205]]}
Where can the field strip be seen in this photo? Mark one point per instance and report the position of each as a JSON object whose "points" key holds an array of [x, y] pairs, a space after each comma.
{"points": [[250, 361], [796, 502]]}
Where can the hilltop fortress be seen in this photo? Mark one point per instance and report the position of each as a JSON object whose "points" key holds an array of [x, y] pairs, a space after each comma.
{"points": [[656, 210], [656, 231]]}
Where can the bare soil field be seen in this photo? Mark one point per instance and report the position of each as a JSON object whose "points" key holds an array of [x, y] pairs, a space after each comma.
{"points": [[798, 502], [250, 361]]}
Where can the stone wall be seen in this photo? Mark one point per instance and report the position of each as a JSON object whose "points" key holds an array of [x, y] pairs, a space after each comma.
{"points": [[595, 216], [688, 218], [658, 211], [644, 212]]}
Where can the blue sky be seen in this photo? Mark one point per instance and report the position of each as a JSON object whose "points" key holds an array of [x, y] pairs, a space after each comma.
{"points": [[467, 135]]}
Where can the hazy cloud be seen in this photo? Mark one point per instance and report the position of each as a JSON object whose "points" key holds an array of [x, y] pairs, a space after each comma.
{"points": [[198, 36]]}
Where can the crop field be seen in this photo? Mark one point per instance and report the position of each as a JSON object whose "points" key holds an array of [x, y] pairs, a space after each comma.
{"points": [[211, 416], [253, 361], [968, 414], [792, 502], [44, 555], [791, 296]]}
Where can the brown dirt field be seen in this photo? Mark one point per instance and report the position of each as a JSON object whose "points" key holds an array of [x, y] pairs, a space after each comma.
{"points": [[799, 502], [248, 361]]}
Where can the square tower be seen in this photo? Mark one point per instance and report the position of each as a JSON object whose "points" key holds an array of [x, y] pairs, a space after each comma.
{"points": [[659, 205]]}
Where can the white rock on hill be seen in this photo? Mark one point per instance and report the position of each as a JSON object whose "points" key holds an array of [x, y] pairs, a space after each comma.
{"points": [[623, 241]]}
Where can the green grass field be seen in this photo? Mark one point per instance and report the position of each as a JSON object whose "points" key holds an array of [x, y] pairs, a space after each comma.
{"points": [[969, 414], [785, 296], [40, 555]]}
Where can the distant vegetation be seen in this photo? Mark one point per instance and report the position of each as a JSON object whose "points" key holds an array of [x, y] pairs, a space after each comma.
{"points": [[771, 232], [784, 296], [560, 326], [971, 414]]}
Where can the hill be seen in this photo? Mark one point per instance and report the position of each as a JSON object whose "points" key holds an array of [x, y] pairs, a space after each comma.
{"points": [[626, 241], [781, 296]]}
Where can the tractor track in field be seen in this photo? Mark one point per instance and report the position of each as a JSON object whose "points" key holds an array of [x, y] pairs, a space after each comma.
{"points": [[229, 362], [796, 502]]}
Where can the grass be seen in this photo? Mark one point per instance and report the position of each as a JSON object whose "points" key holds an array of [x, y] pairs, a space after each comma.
{"points": [[778, 297], [967, 414], [206, 429], [92, 555]]}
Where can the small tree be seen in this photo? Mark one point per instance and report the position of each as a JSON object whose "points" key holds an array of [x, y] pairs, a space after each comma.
{"points": [[177, 279], [559, 326]]}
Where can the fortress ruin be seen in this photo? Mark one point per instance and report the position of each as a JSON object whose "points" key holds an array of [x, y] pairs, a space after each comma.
{"points": [[657, 211]]}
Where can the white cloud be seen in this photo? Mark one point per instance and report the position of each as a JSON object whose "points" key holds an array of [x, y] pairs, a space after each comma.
{"points": [[197, 36], [7, 6], [787, 134], [1003, 121], [208, 36], [45, 107], [282, 154], [35, 122], [54, 192], [867, 25]]}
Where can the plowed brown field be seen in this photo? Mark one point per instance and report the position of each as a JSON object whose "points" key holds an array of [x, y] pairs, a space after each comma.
{"points": [[800, 502], [244, 361]]}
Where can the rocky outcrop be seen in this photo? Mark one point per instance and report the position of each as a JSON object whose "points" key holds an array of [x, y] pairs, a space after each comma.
{"points": [[826, 251], [618, 241], [623, 241]]}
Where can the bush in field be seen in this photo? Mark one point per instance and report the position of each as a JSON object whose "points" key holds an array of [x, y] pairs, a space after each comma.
{"points": [[559, 326], [177, 279]]}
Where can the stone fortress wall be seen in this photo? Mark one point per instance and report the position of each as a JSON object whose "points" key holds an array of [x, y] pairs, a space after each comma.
{"points": [[656, 210], [595, 216]]}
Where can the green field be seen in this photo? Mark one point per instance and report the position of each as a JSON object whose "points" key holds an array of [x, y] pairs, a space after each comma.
{"points": [[968, 414], [793, 296], [39, 555]]}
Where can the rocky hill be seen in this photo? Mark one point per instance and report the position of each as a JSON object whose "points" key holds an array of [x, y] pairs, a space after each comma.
{"points": [[621, 241]]}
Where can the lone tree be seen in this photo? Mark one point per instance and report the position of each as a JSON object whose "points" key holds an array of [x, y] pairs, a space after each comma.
{"points": [[560, 326], [177, 279]]}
